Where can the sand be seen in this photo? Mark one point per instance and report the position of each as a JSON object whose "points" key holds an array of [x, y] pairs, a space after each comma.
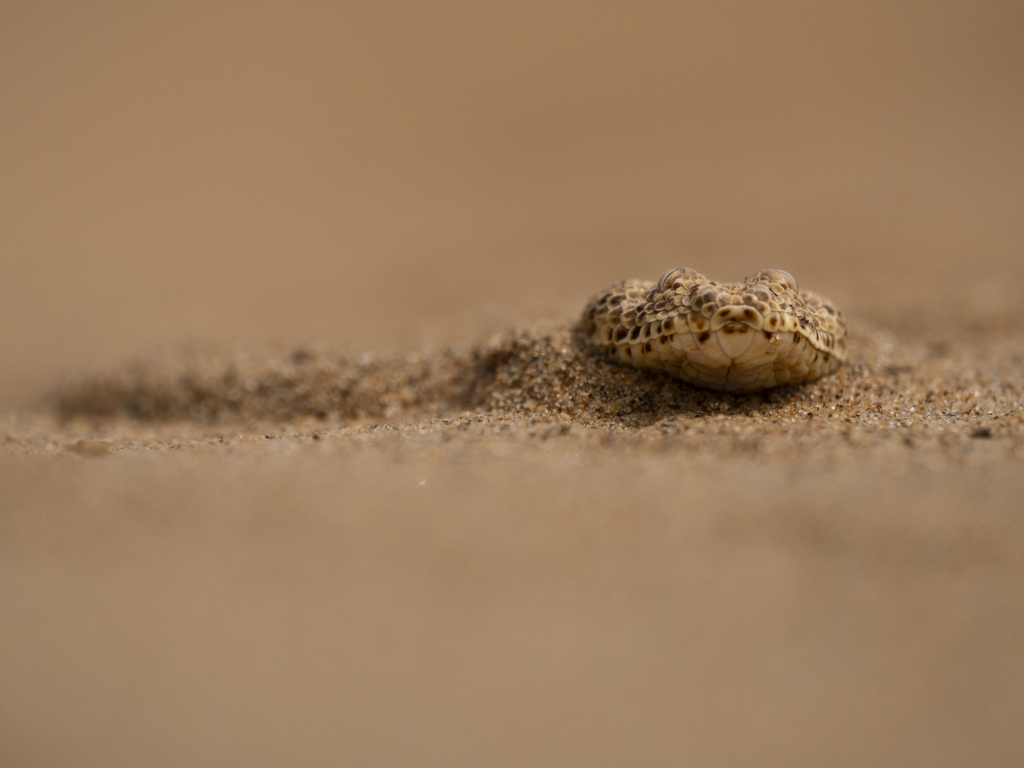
{"points": [[517, 552], [301, 461]]}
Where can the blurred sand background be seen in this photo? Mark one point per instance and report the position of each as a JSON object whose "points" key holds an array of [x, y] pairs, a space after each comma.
{"points": [[404, 176]]}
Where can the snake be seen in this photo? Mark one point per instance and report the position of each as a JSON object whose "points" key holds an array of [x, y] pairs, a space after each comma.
{"points": [[732, 337]]}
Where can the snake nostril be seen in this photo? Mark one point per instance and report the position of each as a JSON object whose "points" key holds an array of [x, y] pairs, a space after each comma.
{"points": [[737, 315]]}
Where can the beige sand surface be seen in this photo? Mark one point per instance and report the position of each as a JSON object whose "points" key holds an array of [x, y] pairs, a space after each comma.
{"points": [[300, 462]]}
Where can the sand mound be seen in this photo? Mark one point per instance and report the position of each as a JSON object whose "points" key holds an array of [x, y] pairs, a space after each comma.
{"points": [[538, 370], [889, 388]]}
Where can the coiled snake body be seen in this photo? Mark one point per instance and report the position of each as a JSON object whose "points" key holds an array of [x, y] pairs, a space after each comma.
{"points": [[737, 337]]}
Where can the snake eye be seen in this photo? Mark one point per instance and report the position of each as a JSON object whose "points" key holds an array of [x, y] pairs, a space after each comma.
{"points": [[786, 278], [665, 280]]}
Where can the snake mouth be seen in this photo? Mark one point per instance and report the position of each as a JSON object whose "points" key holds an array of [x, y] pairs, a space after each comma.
{"points": [[735, 327]]}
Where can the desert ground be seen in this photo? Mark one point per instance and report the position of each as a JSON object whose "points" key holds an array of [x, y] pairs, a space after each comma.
{"points": [[301, 460]]}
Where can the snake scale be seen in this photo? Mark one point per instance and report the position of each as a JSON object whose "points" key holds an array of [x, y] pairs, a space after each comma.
{"points": [[736, 337]]}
